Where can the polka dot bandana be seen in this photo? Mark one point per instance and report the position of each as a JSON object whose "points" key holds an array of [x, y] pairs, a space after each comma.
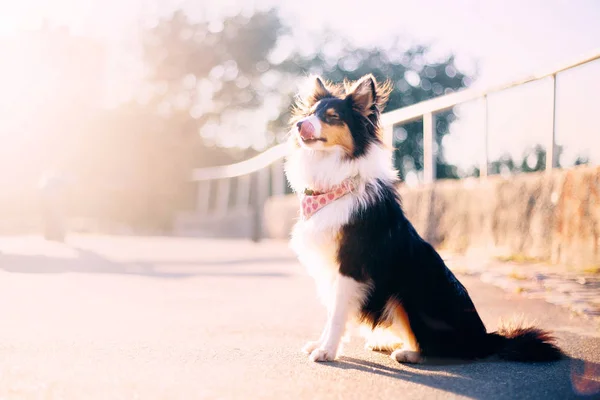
{"points": [[311, 202]]}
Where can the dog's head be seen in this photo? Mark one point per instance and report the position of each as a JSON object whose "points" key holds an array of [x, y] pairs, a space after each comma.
{"points": [[340, 117]]}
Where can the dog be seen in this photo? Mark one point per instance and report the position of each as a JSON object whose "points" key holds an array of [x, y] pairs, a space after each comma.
{"points": [[370, 264]]}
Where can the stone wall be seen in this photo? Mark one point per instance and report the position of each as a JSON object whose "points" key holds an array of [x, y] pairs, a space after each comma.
{"points": [[551, 217]]}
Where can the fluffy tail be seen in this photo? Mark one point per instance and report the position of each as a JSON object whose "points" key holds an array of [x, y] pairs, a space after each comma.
{"points": [[516, 343]]}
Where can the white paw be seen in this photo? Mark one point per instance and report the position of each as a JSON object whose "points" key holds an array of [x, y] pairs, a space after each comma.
{"points": [[375, 347], [407, 356], [382, 347], [372, 345], [321, 354], [310, 346]]}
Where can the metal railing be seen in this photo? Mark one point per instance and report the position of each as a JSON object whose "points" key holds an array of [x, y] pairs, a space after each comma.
{"points": [[255, 179], [426, 110], [269, 163]]}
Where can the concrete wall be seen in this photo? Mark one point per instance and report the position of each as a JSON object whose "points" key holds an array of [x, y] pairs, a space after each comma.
{"points": [[551, 217]]}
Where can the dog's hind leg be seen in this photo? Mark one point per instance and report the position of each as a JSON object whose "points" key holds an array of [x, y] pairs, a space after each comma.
{"points": [[381, 339], [409, 352]]}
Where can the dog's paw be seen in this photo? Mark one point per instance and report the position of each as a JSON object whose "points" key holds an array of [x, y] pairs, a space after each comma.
{"points": [[321, 354], [376, 347], [310, 346], [371, 346], [407, 356], [381, 347]]}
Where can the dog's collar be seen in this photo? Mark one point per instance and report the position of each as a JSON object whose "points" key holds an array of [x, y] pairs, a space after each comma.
{"points": [[312, 201]]}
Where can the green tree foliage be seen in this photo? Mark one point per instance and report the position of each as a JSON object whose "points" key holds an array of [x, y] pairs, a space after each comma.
{"points": [[210, 69]]}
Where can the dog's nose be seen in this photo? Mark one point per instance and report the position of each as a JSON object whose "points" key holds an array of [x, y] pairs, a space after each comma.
{"points": [[306, 129], [299, 124]]}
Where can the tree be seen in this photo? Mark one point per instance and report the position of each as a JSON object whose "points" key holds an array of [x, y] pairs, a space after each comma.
{"points": [[216, 72], [141, 154], [211, 71]]}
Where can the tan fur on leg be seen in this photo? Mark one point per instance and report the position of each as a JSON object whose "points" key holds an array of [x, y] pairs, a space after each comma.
{"points": [[380, 339], [409, 352]]}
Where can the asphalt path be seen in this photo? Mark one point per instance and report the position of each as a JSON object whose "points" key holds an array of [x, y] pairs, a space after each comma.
{"points": [[169, 318]]}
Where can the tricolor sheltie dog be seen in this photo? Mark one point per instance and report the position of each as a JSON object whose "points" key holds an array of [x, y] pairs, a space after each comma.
{"points": [[370, 264]]}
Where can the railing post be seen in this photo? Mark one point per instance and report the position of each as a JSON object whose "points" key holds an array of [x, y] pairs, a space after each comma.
{"points": [[261, 187], [428, 148], [222, 196], [203, 199], [243, 192], [551, 159], [483, 168]]}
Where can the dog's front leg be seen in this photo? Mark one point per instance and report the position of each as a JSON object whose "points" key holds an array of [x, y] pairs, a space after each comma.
{"points": [[311, 346], [347, 299]]}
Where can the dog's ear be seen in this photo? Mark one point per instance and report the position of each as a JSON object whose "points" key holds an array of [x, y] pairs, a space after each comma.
{"points": [[317, 90], [311, 92], [367, 96]]}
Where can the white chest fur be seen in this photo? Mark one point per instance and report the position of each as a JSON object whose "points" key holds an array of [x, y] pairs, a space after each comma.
{"points": [[316, 242]]}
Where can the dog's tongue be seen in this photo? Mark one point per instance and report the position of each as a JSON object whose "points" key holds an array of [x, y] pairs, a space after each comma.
{"points": [[307, 131]]}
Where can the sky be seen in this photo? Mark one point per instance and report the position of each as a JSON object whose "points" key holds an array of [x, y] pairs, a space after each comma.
{"points": [[497, 40], [506, 38]]}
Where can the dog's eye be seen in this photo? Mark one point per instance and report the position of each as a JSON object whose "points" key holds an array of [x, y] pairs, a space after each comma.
{"points": [[333, 117]]}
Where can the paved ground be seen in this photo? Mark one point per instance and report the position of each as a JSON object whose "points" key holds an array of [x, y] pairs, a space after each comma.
{"points": [[575, 290], [131, 318]]}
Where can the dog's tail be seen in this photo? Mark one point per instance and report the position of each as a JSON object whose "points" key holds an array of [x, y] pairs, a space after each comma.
{"points": [[514, 342]]}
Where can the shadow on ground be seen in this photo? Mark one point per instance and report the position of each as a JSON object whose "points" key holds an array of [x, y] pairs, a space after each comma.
{"points": [[569, 378], [90, 262]]}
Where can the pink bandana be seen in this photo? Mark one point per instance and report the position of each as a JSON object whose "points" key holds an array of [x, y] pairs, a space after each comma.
{"points": [[314, 202]]}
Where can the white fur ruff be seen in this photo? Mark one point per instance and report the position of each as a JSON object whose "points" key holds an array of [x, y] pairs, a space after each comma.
{"points": [[315, 240]]}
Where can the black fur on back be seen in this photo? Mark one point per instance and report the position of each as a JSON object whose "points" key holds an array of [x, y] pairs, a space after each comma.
{"points": [[380, 246]]}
